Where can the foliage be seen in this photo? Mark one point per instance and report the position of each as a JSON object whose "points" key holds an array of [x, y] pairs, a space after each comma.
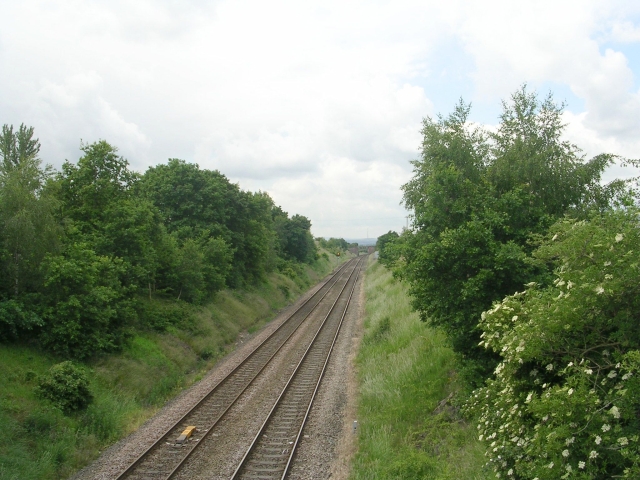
{"points": [[16, 319], [28, 230], [565, 397], [66, 386], [385, 255], [333, 244], [478, 200], [86, 305]]}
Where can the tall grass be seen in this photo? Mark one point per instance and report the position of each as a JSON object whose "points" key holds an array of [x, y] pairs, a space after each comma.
{"points": [[409, 426], [39, 442]]}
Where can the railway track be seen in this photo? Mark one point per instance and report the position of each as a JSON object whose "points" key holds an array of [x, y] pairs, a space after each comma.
{"points": [[170, 453]]}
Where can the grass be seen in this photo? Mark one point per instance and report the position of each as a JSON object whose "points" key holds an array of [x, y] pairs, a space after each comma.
{"points": [[409, 426], [39, 442]]}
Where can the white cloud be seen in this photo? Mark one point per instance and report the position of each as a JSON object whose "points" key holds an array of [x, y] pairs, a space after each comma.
{"points": [[320, 103]]}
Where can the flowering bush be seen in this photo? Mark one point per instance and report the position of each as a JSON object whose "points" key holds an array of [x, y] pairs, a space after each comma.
{"points": [[565, 399]]}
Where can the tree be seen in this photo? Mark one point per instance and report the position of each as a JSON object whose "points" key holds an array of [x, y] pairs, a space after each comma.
{"points": [[28, 229], [384, 241], [478, 202], [86, 305]]}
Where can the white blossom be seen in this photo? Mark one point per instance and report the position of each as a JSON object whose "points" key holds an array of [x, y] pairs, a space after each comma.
{"points": [[593, 454], [619, 237], [623, 441], [615, 412], [606, 427], [599, 290], [581, 464], [565, 453], [598, 439]]}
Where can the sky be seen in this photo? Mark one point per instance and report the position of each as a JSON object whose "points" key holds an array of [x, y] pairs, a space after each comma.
{"points": [[320, 104]]}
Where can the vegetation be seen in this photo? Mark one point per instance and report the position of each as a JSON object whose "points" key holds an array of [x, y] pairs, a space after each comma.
{"points": [[42, 441], [409, 427], [119, 288], [527, 262]]}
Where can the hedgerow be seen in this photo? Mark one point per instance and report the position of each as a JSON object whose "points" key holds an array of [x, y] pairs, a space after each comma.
{"points": [[565, 397]]}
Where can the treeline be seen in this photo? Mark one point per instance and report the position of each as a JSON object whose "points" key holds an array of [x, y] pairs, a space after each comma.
{"points": [[85, 251], [528, 262]]}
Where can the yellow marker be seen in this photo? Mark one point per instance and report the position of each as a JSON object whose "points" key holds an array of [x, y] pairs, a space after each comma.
{"points": [[186, 434]]}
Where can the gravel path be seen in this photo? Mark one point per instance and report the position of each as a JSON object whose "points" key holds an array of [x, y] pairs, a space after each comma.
{"points": [[327, 427]]}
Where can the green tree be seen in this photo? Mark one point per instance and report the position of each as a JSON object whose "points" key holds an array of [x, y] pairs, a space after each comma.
{"points": [[28, 229], [383, 241], [86, 306], [478, 200]]}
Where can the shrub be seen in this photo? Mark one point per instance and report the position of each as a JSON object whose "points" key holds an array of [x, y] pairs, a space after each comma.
{"points": [[66, 386], [565, 398]]}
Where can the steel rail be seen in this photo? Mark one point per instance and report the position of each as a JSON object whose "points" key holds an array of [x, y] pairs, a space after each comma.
{"points": [[138, 461], [261, 432]]}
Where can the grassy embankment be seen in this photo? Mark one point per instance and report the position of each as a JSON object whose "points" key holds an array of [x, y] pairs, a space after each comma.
{"points": [[408, 429], [40, 442]]}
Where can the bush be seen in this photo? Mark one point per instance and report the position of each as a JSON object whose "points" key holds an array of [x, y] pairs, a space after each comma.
{"points": [[66, 386], [565, 398]]}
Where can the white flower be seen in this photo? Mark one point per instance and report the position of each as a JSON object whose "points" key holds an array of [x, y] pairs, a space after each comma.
{"points": [[528, 397], [554, 237], [581, 464], [606, 264], [615, 412], [570, 391], [568, 468], [570, 364], [623, 441], [510, 472], [569, 441], [570, 285], [550, 465], [612, 374], [550, 367], [598, 439], [565, 453], [588, 371], [606, 427], [599, 290], [593, 454], [626, 376], [619, 237]]}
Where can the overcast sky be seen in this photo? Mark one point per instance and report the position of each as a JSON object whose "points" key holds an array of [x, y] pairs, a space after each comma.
{"points": [[318, 103]]}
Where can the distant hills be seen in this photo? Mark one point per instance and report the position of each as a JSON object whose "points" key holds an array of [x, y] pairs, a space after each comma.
{"points": [[362, 241]]}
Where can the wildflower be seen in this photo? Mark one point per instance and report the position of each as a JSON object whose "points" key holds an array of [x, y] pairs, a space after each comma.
{"points": [[528, 397], [550, 465], [606, 264], [581, 465], [550, 367], [626, 376], [606, 427], [615, 412], [593, 454], [565, 453], [623, 441], [598, 439], [570, 364], [612, 374], [599, 290], [510, 472], [619, 237], [555, 237], [588, 371], [568, 468], [570, 391], [570, 285], [569, 441]]}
